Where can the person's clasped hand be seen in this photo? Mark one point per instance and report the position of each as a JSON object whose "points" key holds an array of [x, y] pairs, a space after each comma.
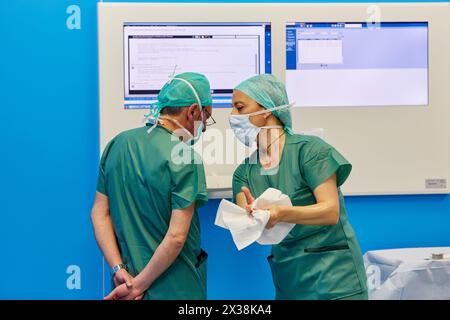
{"points": [[126, 288]]}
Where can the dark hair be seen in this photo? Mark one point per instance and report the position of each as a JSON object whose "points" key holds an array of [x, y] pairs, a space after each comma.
{"points": [[172, 111]]}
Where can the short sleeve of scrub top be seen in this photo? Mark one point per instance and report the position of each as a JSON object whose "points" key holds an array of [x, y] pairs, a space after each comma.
{"points": [[240, 180], [101, 183], [188, 185], [321, 161]]}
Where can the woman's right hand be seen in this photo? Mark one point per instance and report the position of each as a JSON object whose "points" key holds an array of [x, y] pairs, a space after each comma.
{"points": [[249, 198]]}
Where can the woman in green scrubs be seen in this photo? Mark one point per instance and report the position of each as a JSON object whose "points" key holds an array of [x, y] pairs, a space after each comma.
{"points": [[320, 258]]}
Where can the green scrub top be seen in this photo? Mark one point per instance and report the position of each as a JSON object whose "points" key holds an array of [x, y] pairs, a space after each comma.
{"points": [[312, 262], [145, 177]]}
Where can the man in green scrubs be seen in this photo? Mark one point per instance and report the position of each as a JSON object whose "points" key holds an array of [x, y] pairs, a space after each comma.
{"points": [[320, 258], [150, 184]]}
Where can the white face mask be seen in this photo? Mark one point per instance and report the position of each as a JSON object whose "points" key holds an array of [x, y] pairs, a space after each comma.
{"points": [[245, 131]]}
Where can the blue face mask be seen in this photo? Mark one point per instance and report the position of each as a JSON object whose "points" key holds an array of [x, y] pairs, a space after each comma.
{"points": [[245, 131]]}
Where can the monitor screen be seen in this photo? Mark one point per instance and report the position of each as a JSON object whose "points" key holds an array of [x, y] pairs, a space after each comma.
{"points": [[357, 64], [227, 53]]}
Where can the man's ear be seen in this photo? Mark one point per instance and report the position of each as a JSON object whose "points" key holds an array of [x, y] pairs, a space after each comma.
{"points": [[193, 111], [186, 113]]}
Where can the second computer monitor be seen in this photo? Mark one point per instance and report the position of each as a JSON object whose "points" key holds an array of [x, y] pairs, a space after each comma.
{"points": [[357, 64]]}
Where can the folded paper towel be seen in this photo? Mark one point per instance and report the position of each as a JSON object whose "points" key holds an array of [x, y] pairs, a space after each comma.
{"points": [[247, 228]]}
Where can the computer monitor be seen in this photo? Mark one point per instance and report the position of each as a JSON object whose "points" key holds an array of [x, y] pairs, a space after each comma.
{"points": [[227, 53], [357, 64]]}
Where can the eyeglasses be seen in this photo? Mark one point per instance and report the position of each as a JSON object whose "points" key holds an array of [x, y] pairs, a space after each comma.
{"points": [[210, 121]]}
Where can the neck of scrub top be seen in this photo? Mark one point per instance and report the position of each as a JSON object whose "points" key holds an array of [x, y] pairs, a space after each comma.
{"points": [[270, 136]]}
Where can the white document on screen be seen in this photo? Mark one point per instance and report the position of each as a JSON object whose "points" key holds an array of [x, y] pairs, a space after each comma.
{"points": [[247, 228]]}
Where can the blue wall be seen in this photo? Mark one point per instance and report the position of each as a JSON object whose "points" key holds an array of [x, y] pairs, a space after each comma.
{"points": [[48, 166]]}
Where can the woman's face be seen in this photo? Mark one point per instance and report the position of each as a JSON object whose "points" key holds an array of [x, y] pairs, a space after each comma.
{"points": [[243, 104]]}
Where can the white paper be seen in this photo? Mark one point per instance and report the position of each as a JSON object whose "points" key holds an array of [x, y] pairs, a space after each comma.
{"points": [[247, 228]]}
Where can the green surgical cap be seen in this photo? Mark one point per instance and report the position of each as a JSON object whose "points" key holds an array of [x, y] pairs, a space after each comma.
{"points": [[269, 92], [177, 93]]}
